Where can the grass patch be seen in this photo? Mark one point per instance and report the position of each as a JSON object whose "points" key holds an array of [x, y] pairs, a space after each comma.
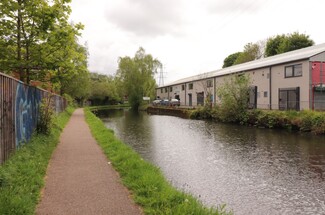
{"points": [[22, 175], [146, 182]]}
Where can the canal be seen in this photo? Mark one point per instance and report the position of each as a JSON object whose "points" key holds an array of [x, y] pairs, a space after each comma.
{"points": [[252, 170]]}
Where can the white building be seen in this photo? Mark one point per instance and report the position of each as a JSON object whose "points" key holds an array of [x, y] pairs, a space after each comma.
{"points": [[293, 80]]}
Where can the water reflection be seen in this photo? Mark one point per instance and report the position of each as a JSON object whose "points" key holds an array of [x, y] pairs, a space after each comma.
{"points": [[254, 171]]}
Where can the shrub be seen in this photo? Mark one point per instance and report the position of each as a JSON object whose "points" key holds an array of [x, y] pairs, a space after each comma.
{"points": [[318, 123], [70, 100], [234, 94], [46, 114], [201, 113]]}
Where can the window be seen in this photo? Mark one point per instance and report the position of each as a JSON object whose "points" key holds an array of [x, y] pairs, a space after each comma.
{"points": [[190, 86], [161, 90], [265, 93], [183, 87], [170, 89], [165, 89], [293, 71], [289, 99], [209, 83]]}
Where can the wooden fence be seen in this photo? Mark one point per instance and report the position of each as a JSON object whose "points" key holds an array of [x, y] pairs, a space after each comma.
{"points": [[19, 111]]}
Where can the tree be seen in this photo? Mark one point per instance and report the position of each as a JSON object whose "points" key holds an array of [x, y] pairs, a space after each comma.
{"points": [[285, 43], [103, 90], [137, 76], [77, 86], [64, 56], [32, 34], [230, 60], [251, 52], [273, 44], [234, 97]]}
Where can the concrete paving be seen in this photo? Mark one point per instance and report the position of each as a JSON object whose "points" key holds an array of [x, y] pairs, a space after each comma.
{"points": [[80, 179]]}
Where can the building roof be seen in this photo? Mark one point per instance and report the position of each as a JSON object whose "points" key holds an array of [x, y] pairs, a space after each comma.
{"points": [[296, 55]]}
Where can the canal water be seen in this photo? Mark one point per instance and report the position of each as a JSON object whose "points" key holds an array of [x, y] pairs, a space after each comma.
{"points": [[251, 170]]}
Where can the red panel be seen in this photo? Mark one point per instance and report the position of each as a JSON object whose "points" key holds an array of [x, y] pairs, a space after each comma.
{"points": [[318, 72]]}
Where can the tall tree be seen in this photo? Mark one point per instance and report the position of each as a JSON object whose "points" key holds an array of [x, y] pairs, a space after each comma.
{"points": [[137, 76], [251, 52], [285, 43], [231, 59], [273, 44], [23, 24], [32, 33]]}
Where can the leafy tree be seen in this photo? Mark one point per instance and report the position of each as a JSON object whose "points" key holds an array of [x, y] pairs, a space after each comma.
{"points": [[65, 57], [285, 43], [234, 97], [230, 60], [103, 90], [77, 86], [273, 44], [36, 38], [251, 52], [23, 27], [137, 76]]}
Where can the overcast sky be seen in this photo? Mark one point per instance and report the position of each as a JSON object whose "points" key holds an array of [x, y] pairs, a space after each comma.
{"points": [[189, 37]]}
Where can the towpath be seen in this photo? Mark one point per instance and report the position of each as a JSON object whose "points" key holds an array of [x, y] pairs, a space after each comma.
{"points": [[80, 179]]}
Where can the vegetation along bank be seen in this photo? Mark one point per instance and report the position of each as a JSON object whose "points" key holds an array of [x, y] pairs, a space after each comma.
{"points": [[304, 121], [146, 182]]}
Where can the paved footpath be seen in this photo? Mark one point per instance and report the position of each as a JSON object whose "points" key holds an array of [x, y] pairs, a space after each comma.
{"points": [[79, 178]]}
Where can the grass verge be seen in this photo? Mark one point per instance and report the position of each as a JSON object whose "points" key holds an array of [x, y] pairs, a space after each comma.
{"points": [[22, 176], [146, 182]]}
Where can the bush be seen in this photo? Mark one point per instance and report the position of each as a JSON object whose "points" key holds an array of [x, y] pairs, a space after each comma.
{"points": [[318, 123], [201, 113], [46, 114], [70, 100], [234, 94]]}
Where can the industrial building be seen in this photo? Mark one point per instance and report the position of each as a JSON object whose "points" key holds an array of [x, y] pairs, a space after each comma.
{"points": [[290, 81]]}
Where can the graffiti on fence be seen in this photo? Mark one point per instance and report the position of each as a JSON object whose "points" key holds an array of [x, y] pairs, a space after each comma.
{"points": [[27, 103], [19, 112]]}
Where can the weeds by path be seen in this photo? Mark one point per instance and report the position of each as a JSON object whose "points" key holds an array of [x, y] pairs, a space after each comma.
{"points": [[22, 176], [146, 182]]}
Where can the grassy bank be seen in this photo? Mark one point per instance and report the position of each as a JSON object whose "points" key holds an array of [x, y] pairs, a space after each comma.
{"points": [[146, 182], [22, 176], [304, 121]]}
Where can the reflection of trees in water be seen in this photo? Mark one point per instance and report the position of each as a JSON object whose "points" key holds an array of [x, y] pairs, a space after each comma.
{"points": [[137, 127], [109, 113]]}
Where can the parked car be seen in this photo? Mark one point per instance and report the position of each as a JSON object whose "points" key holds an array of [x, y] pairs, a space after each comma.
{"points": [[174, 102], [164, 102], [156, 102]]}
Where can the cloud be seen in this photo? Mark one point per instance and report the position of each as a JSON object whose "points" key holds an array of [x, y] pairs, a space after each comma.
{"points": [[222, 7], [146, 18]]}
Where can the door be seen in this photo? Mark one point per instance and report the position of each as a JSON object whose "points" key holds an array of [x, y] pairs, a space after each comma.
{"points": [[289, 99], [200, 98], [190, 99], [252, 101]]}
